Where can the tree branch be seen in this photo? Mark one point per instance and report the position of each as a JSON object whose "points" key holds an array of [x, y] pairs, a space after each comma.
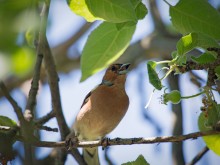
{"points": [[31, 102], [14, 104], [157, 20], [45, 118], [125, 141]]}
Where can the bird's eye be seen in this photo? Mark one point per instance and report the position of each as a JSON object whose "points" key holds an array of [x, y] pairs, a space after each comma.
{"points": [[113, 68]]}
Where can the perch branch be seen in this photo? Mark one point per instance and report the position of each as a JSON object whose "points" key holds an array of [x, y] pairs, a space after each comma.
{"points": [[126, 141]]}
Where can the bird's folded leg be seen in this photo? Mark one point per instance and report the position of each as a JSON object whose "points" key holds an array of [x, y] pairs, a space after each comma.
{"points": [[71, 142], [105, 142]]}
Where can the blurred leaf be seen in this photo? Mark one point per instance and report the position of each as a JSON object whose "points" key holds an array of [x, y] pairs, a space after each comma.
{"points": [[204, 58], [80, 8], [139, 161], [196, 16], [5, 65], [22, 61], [195, 40], [153, 76], [30, 37], [115, 11], [104, 45], [6, 121], [212, 141], [16, 17]]}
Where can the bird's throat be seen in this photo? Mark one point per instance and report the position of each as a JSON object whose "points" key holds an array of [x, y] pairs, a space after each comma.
{"points": [[107, 83]]}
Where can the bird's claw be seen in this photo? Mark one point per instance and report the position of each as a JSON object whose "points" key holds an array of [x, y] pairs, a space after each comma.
{"points": [[104, 142], [71, 142]]}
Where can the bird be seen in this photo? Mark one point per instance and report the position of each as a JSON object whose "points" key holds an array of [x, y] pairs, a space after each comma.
{"points": [[102, 110]]}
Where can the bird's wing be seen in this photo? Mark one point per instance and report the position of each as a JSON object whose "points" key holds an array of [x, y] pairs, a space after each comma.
{"points": [[107, 83], [86, 99]]}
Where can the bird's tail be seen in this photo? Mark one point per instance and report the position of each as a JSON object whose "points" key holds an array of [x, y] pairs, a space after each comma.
{"points": [[90, 155]]}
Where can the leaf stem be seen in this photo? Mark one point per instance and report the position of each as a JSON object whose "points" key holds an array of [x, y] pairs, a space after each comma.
{"points": [[187, 97], [167, 2], [163, 62], [167, 74]]}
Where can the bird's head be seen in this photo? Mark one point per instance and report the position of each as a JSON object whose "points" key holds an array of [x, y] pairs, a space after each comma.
{"points": [[116, 74]]}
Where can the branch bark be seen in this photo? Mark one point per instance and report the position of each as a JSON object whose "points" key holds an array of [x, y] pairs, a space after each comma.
{"points": [[125, 141]]}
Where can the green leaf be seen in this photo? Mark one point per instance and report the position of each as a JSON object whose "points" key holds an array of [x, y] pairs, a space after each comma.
{"points": [[196, 16], [212, 141], [139, 161], [115, 11], [204, 58], [174, 55], [79, 7], [217, 71], [5, 121], [7, 138], [181, 60], [195, 40], [104, 45], [153, 76], [16, 17], [140, 8]]}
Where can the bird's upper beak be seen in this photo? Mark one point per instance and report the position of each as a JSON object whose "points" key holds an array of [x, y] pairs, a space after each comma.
{"points": [[124, 68]]}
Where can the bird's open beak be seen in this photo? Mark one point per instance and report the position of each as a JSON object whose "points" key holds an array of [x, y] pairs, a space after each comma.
{"points": [[124, 68]]}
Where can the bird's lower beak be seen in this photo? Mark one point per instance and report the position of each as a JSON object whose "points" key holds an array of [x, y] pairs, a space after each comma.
{"points": [[124, 68]]}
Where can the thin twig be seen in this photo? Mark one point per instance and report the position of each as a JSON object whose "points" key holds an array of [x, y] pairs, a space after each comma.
{"points": [[126, 141], [14, 104], [46, 128], [199, 156], [45, 118]]}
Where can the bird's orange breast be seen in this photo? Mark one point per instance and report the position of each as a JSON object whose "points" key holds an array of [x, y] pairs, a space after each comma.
{"points": [[103, 112]]}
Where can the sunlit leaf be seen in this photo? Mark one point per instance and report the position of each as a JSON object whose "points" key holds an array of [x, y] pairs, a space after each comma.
{"points": [[80, 8], [196, 16], [104, 45]]}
